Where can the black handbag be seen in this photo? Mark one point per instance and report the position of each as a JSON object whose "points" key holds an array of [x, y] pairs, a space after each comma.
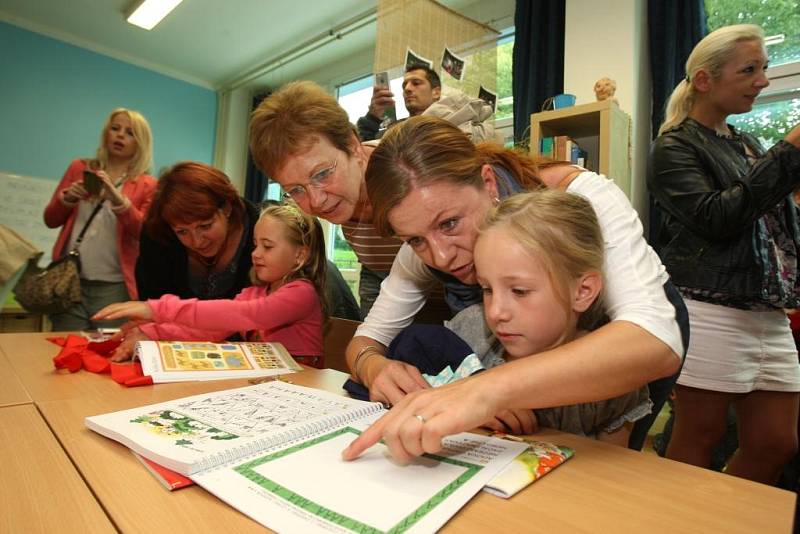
{"points": [[57, 287]]}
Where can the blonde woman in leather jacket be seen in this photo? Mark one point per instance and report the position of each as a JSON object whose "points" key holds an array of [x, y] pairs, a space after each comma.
{"points": [[730, 243]]}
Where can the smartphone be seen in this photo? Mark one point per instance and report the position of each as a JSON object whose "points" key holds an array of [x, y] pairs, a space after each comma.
{"points": [[92, 183], [382, 79]]}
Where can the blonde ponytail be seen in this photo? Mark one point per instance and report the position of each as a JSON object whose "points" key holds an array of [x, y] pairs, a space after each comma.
{"points": [[679, 105], [710, 55]]}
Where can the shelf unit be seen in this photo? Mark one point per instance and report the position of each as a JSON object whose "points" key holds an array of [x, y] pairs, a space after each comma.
{"points": [[601, 128]]}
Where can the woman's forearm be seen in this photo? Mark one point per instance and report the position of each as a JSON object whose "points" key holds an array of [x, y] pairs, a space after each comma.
{"points": [[365, 358], [615, 359]]}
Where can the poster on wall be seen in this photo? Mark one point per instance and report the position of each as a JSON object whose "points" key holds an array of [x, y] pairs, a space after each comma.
{"points": [[488, 97], [414, 59], [22, 202], [453, 64]]}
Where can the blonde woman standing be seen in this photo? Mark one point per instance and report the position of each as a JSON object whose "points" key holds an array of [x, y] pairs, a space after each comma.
{"points": [[730, 243], [110, 246]]}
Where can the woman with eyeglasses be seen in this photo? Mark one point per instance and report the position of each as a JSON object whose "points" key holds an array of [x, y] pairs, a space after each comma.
{"points": [[303, 139]]}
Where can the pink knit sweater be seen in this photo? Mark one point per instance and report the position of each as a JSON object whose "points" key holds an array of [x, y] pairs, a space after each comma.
{"points": [[292, 315]]}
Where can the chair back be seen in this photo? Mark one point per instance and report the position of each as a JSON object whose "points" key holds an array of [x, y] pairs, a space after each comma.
{"points": [[336, 335]]}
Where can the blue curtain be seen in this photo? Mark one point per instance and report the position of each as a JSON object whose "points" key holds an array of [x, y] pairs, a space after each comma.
{"points": [[255, 182], [675, 27], [538, 58]]}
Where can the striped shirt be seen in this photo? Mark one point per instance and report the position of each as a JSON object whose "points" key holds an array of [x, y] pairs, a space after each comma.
{"points": [[373, 251]]}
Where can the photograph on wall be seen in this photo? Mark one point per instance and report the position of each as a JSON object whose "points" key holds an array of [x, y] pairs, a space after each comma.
{"points": [[452, 64], [488, 97], [413, 58]]}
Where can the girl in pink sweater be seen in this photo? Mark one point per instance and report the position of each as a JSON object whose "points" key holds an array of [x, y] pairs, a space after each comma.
{"points": [[285, 304]]}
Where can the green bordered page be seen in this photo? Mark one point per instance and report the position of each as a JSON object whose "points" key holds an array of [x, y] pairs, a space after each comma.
{"points": [[306, 487]]}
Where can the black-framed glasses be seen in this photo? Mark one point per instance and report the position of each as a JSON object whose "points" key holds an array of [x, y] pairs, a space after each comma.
{"points": [[317, 181]]}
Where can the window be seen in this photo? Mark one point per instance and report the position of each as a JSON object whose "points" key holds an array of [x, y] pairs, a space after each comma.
{"points": [[505, 98], [769, 121], [777, 109], [780, 20]]}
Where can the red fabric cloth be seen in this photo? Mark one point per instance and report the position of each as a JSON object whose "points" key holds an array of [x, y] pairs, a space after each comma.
{"points": [[129, 375], [78, 353]]}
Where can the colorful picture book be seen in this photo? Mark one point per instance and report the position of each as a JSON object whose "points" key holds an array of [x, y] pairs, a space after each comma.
{"points": [[177, 361], [273, 451], [532, 464]]}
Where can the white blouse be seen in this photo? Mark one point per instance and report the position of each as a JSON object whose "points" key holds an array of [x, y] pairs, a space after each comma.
{"points": [[633, 273]]}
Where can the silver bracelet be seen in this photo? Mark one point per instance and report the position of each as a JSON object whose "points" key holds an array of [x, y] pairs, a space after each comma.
{"points": [[364, 350]]}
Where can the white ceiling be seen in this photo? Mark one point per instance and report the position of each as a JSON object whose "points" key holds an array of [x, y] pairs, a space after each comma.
{"points": [[213, 43]]}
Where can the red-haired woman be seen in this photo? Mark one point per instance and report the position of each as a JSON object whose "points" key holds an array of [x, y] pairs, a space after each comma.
{"points": [[197, 236], [196, 242]]}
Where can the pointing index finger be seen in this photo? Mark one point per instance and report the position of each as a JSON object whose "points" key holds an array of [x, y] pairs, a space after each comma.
{"points": [[367, 439]]}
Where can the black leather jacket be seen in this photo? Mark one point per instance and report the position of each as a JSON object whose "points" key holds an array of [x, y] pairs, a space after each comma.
{"points": [[711, 197]]}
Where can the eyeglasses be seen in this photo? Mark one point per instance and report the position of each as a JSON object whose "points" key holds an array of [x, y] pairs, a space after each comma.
{"points": [[317, 181]]}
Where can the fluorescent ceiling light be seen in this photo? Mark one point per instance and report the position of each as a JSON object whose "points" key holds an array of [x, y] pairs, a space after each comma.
{"points": [[148, 13]]}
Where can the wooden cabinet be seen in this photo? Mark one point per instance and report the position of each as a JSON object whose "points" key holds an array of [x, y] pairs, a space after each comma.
{"points": [[19, 320], [600, 128]]}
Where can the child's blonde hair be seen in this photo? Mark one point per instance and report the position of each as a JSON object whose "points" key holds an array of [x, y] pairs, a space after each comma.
{"points": [[710, 54], [305, 231], [562, 231]]}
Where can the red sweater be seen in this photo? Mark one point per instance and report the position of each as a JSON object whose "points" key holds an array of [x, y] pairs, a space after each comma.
{"points": [[129, 222]]}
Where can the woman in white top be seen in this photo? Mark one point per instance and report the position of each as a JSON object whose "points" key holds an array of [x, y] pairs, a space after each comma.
{"points": [[430, 186]]}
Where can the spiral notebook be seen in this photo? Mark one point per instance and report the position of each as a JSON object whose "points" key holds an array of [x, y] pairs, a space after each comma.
{"points": [[273, 451]]}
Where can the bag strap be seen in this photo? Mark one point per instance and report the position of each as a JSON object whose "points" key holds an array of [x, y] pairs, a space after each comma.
{"points": [[96, 210]]}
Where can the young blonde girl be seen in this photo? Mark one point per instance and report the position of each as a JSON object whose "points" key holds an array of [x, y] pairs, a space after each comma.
{"points": [[285, 304], [539, 262]]}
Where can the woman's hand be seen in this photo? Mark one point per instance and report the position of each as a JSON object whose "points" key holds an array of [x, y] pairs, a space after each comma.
{"points": [[419, 421], [128, 335], [110, 191], [74, 193], [393, 380], [133, 309], [514, 422]]}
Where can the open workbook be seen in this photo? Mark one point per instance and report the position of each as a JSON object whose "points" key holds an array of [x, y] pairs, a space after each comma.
{"points": [[177, 361], [273, 451]]}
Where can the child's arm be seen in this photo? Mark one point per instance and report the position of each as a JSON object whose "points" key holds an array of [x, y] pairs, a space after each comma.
{"points": [[179, 332], [168, 331], [250, 310]]}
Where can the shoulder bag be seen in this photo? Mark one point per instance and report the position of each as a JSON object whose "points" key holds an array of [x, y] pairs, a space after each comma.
{"points": [[57, 287]]}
